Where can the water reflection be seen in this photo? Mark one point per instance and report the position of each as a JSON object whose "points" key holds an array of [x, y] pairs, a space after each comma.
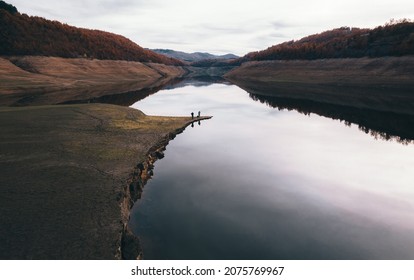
{"points": [[198, 81], [380, 125], [127, 98], [258, 183], [131, 97]]}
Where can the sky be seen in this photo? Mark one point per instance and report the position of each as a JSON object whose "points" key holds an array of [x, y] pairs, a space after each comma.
{"points": [[217, 26]]}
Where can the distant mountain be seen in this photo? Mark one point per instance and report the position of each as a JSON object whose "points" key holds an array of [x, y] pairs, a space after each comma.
{"points": [[21, 34], [395, 38], [192, 57]]}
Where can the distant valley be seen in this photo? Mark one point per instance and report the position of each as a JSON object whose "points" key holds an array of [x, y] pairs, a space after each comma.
{"points": [[93, 60], [193, 57], [72, 169]]}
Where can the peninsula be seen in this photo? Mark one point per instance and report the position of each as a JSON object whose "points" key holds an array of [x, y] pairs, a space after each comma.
{"points": [[70, 174]]}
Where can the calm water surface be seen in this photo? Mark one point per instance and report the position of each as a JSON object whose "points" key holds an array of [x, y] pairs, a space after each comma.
{"points": [[258, 183]]}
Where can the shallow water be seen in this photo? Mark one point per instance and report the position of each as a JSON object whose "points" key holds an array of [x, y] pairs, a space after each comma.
{"points": [[258, 183]]}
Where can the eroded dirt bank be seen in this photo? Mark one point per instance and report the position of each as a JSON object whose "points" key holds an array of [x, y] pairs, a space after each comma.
{"points": [[67, 178], [39, 80], [382, 84]]}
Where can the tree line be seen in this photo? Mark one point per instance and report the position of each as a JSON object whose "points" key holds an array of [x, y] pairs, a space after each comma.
{"points": [[395, 38], [21, 34]]}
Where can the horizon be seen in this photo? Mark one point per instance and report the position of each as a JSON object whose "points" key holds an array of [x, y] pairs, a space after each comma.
{"points": [[237, 27]]}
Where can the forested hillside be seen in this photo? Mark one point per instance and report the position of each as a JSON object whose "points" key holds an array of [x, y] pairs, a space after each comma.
{"points": [[21, 34], [395, 38]]}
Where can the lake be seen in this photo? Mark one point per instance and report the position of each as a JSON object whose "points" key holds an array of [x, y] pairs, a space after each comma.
{"points": [[258, 182]]}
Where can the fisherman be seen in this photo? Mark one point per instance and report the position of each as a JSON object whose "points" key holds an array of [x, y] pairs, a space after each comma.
{"points": [[192, 115], [199, 113]]}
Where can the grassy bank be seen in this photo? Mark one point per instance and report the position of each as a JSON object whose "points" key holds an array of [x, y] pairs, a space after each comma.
{"points": [[69, 174]]}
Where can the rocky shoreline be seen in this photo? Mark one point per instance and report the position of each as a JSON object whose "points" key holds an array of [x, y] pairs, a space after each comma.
{"points": [[130, 244]]}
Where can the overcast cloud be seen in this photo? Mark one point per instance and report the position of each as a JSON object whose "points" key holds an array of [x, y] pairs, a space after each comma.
{"points": [[216, 26]]}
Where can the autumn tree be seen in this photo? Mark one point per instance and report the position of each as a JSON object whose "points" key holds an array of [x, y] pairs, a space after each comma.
{"points": [[21, 34], [8, 7], [395, 38]]}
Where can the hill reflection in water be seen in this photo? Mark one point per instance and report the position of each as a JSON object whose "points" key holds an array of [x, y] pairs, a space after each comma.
{"points": [[380, 125], [257, 183]]}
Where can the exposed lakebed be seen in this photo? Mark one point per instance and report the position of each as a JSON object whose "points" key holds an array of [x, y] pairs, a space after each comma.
{"points": [[256, 182]]}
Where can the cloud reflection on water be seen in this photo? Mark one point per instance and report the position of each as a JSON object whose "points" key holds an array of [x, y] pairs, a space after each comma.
{"points": [[258, 183]]}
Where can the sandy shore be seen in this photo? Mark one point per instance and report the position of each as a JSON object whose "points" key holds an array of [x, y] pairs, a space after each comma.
{"points": [[69, 175]]}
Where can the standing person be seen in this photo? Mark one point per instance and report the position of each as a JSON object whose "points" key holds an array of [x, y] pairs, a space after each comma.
{"points": [[199, 113], [192, 115]]}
